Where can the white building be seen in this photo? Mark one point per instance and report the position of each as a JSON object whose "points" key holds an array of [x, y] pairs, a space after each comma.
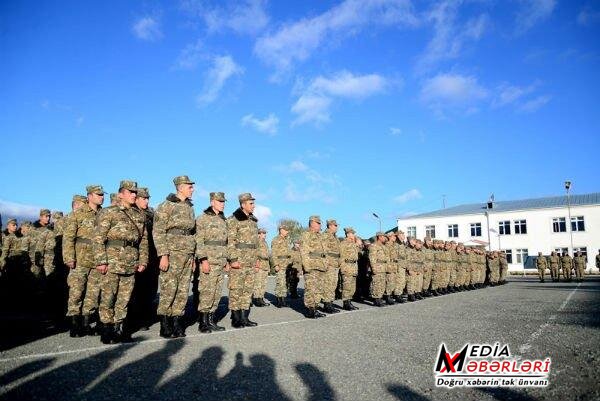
{"points": [[521, 228]]}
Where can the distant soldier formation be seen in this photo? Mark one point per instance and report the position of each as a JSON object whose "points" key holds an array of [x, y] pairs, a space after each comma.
{"points": [[103, 268], [563, 264]]}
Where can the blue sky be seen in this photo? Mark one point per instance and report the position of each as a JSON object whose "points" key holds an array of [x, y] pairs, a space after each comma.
{"points": [[336, 108]]}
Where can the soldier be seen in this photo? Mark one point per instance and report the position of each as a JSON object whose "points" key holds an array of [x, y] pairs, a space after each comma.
{"points": [[28, 244], [438, 269], [540, 263], [314, 265], [554, 261], [83, 279], [379, 260], [414, 270], [143, 306], [120, 246], [567, 266], [11, 263], [44, 250], [579, 262], [503, 267], [332, 251], [211, 251], [261, 277], [349, 267], [428, 259], [400, 288], [282, 260], [392, 268], [294, 271], [114, 199], [242, 242], [453, 263], [174, 229]]}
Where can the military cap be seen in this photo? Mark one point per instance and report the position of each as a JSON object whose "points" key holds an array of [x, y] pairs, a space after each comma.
{"points": [[380, 233], [182, 179], [79, 198], [128, 185], [400, 232], [332, 222], [427, 239], [57, 214], [143, 192], [262, 231], [219, 196], [284, 226], [391, 234], [349, 230], [95, 189], [315, 218], [26, 224], [11, 221], [45, 212], [246, 196], [113, 197]]}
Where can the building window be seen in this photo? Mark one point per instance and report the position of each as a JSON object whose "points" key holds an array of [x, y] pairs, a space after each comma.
{"points": [[475, 229], [504, 227], [559, 225], [453, 230], [521, 255], [520, 226], [508, 253], [583, 251], [560, 251], [577, 224], [411, 232], [430, 231]]}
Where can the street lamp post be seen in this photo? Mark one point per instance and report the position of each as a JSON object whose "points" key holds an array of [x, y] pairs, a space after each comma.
{"points": [[377, 217], [568, 187]]}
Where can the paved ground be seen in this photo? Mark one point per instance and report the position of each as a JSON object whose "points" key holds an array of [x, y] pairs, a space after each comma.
{"points": [[371, 354]]}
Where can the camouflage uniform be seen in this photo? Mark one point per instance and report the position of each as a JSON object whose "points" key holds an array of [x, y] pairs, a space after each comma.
{"points": [[391, 277], [567, 265], [314, 264], [473, 269], [503, 267], [579, 263], [401, 275], [282, 259], [332, 250], [293, 272], [44, 249], [554, 261], [349, 267], [261, 276], [541, 264], [379, 259], [437, 278], [453, 267], [428, 258]]}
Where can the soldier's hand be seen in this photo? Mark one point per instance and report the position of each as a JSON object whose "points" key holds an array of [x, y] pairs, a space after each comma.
{"points": [[102, 268], [71, 265], [164, 263], [235, 265], [141, 268], [205, 266], [276, 268]]}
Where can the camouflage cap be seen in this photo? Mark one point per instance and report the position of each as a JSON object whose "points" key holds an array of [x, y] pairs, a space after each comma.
{"points": [[246, 196], [400, 232], [79, 198], [262, 231], [26, 224], [218, 196], [380, 233], [143, 192], [349, 230], [283, 226], [45, 212], [182, 179], [113, 197], [391, 234], [315, 218], [128, 185], [95, 189], [331, 222], [11, 221], [57, 214]]}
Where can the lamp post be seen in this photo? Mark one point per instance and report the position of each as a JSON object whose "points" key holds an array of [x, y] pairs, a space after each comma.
{"points": [[568, 187], [377, 217]]}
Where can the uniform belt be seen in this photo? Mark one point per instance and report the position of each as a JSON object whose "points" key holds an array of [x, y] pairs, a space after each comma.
{"points": [[381, 261], [262, 258], [179, 231], [395, 260], [316, 254], [350, 260], [333, 255], [121, 243], [81, 240], [216, 243], [245, 246], [282, 257]]}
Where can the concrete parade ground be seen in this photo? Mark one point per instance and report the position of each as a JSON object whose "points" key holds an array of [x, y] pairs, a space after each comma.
{"points": [[370, 354]]}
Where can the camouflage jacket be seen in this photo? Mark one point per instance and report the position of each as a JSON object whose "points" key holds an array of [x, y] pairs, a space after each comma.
{"points": [[540, 262], [77, 237], [566, 262], [463, 261], [11, 248], [472, 258], [332, 250], [579, 262], [28, 243], [554, 260], [263, 256], [428, 258], [211, 238], [392, 251], [379, 258], [281, 254], [440, 258], [414, 260], [120, 239], [44, 247], [349, 257], [242, 238], [402, 257], [503, 262], [312, 251], [174, 227], [296, 260]]}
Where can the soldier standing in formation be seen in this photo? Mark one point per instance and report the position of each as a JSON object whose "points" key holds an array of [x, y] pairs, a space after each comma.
{"points": [[293, 272], [261, 277], [379, 260], [579, 263], [282, 261], [348, 267], [541, 264], [332, 253], [174, 229], [314, 265], [566, 263], [554, 260]]}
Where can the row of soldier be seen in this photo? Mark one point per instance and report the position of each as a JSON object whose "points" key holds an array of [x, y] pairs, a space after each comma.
{"points": [[128, 248], [564, 264]]}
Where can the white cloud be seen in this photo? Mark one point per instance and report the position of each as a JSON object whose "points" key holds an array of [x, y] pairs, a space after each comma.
{"points": [[313, 105], [18, 211], [449, 35], [223, 68], [535, 104], [448, 91], [408, 196], [395, 131], [147, 28], [245, 17], [532, 12], [190, 56], [267, 125], [295, 42], [588, 17], [264, 215], [314, 185]]}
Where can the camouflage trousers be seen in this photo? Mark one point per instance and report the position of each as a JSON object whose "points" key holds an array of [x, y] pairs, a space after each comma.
{"points": [[412, 282], [260, 283], [541, 272], [481, 274], [174, 285], [312, 287], [436, 277], [554, 271], [241, 287], [400, 282], [115, 293], [280, 283], [494, 275], [390, 283], [567, 273], [474, 275], [378, 285], [348, 286], [579, 272], [426, 278], [452, 276], [329, 284], [504, 272], [84, 291], [211, 289]]}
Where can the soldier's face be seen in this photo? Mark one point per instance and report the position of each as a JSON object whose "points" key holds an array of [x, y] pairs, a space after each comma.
{"points": [[127, 197], [350, 236], [332, 228], [186, 190], [248, 206], [11, 227], [315, 226], [96, 199], [141, 203], [283, 232], [45, 219], [218, 205], [262, 236], [24, 229]]}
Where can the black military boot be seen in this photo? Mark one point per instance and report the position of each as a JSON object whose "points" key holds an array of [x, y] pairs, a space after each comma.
{"points": [[108, 334], [255, 302], [284, 302], [418, 295], [377, 302], [178, 327], [263, 302], [278, 302], [236, 319], [399, 299], [75, 330], [411, 298], [166, 329], [86, 326], [211, 323], [248, 322], [313, 313], [294, 293], [328, 308], [389, 300], [203, 325], [122, 333]]}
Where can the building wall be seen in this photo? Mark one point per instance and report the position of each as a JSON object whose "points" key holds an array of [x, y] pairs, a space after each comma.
{"points": [[539, 238]]}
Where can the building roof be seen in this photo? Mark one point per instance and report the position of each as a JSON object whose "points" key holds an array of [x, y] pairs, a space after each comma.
{"points": [[514, 205]]}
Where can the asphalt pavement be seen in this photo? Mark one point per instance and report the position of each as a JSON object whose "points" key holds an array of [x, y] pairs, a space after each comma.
{"points": [[369, 354]]}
